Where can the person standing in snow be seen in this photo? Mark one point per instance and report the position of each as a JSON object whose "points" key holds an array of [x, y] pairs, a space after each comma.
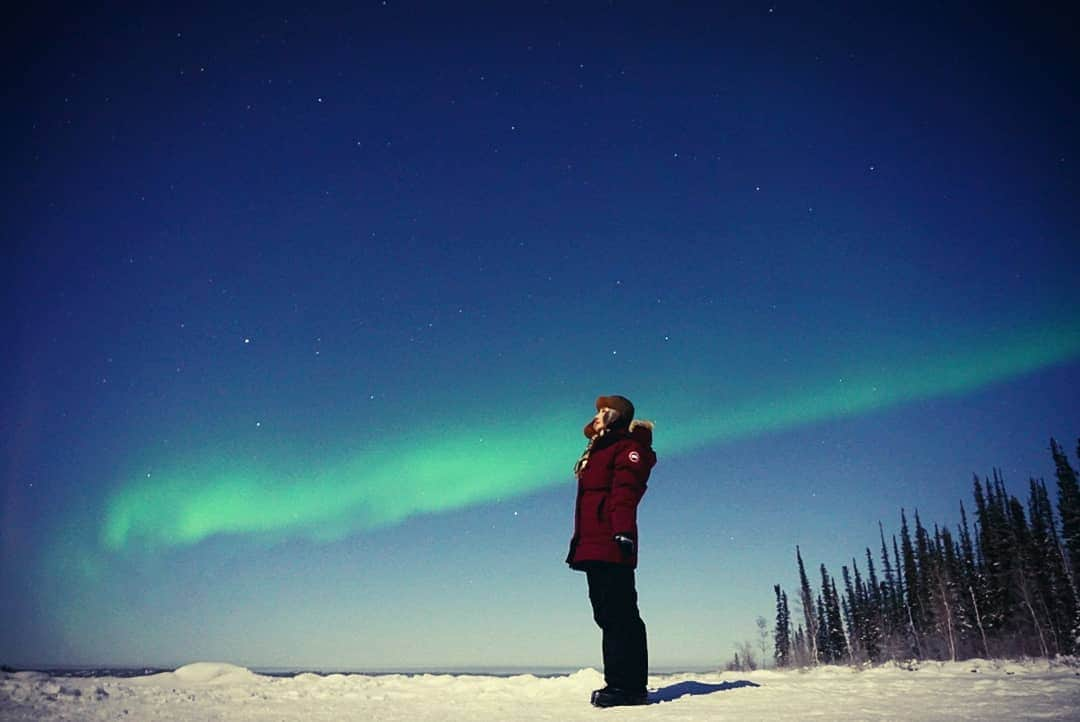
{"points": [[612, 476]]}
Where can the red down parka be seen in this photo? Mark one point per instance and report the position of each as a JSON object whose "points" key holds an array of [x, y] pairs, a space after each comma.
{"points": [[609, 489]]}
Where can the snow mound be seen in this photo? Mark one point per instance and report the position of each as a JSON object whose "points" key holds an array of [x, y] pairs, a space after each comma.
{"points": [[204, 672], [587, 676], [28, 676], [199, 673]]}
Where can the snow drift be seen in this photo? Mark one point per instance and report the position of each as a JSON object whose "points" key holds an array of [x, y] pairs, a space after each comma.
{"points": [[973, 690]]}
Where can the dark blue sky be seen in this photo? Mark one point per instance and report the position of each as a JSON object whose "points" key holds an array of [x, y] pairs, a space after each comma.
{"points": [[298, 290]]}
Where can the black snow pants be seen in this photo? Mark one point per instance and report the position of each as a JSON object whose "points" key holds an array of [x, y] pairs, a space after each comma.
{"points": [[614, 603]]}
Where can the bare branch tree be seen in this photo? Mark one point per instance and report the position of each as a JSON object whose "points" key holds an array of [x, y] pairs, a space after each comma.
{"points": [[763, 639], [745, 652]]}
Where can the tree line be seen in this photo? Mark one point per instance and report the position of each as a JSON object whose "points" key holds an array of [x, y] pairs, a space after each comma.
{"points": [[1006, 588]]}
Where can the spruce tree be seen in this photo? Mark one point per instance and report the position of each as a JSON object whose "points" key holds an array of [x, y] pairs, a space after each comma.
{"points": [[782, 633], [1068, 508], [1029, 622], [873, 591], [943, 572], [801, 651], [837, 635], [968, 584], [835, 643], [1052, 579], [787, 618], [995, 547], [875, 623], [983, 598], [924, 559], [810, 617], [889, 607], [824, 650], [967, 550], [911, 588], [849, 607], [905, 642]]}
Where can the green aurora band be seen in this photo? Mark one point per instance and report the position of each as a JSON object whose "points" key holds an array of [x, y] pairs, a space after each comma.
{"points": [[470, 464]]}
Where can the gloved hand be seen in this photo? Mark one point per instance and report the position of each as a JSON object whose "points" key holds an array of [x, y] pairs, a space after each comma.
{"points": [[626, 544]]}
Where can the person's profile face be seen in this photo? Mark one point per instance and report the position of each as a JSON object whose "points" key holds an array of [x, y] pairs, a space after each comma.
{"points": [[604, 418]]}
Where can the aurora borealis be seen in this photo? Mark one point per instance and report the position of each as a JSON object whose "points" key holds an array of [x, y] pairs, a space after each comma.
{"points": [[473, 465], [310, 308]]}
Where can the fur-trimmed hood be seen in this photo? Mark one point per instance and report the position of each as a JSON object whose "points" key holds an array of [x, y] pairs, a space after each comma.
{"points": [[639, 429], [642, 430]]}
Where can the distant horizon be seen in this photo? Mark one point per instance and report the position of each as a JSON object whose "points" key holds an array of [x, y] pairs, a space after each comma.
{"points": [[275, 671]]}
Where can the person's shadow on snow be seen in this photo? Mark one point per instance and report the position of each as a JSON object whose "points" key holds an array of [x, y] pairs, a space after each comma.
{"points": [[692, 689]]}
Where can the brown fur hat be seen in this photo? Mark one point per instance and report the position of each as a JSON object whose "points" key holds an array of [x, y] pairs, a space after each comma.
{"points": [[620, 404]]}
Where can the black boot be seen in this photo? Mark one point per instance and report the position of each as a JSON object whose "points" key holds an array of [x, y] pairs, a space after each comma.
{"points": [[615, 697]]}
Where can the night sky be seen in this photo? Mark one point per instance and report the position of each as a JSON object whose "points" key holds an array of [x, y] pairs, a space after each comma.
{"points": [[307, 308]]}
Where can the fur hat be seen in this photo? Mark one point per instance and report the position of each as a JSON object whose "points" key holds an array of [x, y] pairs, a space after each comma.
{"points": [[620, 404]]}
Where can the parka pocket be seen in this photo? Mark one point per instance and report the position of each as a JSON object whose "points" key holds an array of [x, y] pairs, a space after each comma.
{"points": [[601, 508]]}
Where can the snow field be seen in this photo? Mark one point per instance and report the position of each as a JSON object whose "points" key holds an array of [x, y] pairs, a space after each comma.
{"points": [[973, 690]]}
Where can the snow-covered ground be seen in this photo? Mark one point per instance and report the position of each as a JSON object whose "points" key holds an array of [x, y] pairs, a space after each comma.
{"points": [[974, 690]]}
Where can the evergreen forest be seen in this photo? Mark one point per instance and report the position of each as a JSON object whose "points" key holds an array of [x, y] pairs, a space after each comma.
{"points": [[1003, 584]]}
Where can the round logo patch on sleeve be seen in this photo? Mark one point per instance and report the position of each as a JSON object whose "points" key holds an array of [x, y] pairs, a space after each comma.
{"points": [[634, 457]]}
